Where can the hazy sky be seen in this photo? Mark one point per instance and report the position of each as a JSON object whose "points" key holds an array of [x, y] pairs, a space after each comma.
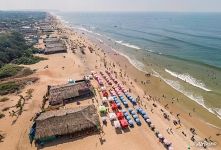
{"points": [[113, 5]]}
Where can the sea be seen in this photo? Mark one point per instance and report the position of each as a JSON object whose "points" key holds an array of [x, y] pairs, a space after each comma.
{"points": [[183, 49]]}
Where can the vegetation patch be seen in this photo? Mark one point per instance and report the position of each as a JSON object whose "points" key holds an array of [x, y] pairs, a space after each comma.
{"points": [[14, 49], [9, 70], [8, 87], [27, 60]]}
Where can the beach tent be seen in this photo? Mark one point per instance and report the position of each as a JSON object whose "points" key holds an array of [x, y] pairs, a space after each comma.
{"points": [[130, 110], [135, 116], [110, 98], [112, 116], [145, 117], [102, 109], [126, 114], [117, 124], [114, 106], [104, 100], [93, 72], [128, 117], [143, 112], [133, 112], [152, 125], [124, 111], [131, 123], [137, 120], [71, 81], [160, 136], [148, 121], [104, 119], [170, 148], [123, 123], [120, 115], [105, 94], [103, 88]]}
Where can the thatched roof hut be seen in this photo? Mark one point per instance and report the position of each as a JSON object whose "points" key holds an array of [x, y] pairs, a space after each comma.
{"points": [[64, 93], [66, 122]]}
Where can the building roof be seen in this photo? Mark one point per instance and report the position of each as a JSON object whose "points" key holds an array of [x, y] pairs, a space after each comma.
{"points": [[55, 49], [66, 121], [61, 92]]}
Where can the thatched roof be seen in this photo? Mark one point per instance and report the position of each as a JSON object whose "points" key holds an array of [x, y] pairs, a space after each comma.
{"points": [[57, 94], [66, 121], [58, 49]]}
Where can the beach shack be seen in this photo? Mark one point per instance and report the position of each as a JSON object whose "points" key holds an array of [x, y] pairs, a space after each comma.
{"points": [[72, 122], [102, 109], [61, 94]]}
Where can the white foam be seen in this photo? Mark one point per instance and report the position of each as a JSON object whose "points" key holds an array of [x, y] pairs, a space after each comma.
{"points": [[189, 79], [84, 29], [137, 64], [197, 98], [128, 45]]}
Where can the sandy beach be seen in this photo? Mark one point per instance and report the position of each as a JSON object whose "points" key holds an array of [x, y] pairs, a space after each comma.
{"points": [[156, 98]]}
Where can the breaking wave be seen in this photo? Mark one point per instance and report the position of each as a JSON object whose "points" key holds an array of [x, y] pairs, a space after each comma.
{"points": [[197, 98], [128, 45], [137, 64], [189, 79]]}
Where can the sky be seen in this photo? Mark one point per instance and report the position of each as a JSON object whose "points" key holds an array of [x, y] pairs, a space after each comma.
{"points": [[114, 5]]}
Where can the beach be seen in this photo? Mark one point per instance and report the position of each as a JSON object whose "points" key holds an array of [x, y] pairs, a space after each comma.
{"points": [[150, 89]]}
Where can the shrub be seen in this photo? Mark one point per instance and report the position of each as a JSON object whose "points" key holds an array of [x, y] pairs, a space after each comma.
{"points": [[9, 70], [8, 87], [28, 60]]}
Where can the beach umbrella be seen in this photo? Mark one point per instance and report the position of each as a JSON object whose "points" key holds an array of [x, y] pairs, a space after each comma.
{"points": [[143, 112]]}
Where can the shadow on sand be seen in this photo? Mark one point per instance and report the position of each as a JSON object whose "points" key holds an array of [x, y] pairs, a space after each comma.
{"points": [[66, 139]]}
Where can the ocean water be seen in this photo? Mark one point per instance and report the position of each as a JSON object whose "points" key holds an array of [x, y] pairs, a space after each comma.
{"points": [[183, 49]]}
